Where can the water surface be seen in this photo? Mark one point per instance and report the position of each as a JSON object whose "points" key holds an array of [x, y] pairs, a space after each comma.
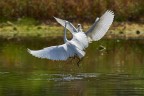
{"points": [[116, 71]]}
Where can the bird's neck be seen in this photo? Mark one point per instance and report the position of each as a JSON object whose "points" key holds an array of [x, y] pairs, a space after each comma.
{"points": [[79, 29], [65, 38]]}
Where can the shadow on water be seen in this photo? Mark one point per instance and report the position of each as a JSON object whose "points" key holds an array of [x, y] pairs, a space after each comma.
{"points": [[117, 70]]}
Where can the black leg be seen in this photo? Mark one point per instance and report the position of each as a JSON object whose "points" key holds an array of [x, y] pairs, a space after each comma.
{"points": [[75, 57], [78, 63]]}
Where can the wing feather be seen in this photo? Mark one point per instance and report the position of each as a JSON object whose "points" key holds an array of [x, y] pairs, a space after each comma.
{"points": [[69, 26], [61, 52], [101, 26]]}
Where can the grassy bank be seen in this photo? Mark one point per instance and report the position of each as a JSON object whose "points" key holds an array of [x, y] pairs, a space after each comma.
{"points": [[117, 30]]}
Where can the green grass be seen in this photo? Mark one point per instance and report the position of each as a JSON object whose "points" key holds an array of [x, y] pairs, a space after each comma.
{"points": [[16, 30], [33, 31]]}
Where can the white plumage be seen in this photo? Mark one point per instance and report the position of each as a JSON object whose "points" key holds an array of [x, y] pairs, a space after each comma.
{"points": [[98, 29], [61, 52], [71, 48], [101, 26], [80, 40], [69, 26]]}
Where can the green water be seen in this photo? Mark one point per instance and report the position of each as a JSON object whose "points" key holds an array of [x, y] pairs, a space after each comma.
{"points": [[116, 71]]}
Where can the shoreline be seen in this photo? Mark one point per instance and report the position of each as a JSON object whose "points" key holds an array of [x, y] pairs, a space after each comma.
{"points": [[116, 31]]}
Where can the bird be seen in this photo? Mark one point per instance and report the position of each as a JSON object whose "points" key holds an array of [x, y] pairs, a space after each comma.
{"points": [[80, 40], [97, 30], [70, 48]]}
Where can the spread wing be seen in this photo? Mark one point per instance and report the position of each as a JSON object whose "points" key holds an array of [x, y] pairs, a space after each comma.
{"points": [[69, 26], [61, 52], [101, 26]]}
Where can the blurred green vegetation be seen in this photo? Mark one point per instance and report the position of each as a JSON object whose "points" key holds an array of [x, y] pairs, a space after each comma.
{"points": [[80, 10]]}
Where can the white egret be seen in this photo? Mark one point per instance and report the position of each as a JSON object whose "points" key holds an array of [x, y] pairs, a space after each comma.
{"points": [[97, 30], [80, 40], [71, 48]]}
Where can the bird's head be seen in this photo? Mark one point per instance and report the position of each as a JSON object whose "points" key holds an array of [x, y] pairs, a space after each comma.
{"points": [[79, 27], [66, 22]]}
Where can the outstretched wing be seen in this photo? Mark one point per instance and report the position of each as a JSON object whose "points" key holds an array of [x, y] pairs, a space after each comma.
{"points": [[61, 52], [101, 26], [69, 26]]}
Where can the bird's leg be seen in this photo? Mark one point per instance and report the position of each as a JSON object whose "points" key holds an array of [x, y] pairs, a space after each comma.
{"points": [[71, 59], [79, 60]]}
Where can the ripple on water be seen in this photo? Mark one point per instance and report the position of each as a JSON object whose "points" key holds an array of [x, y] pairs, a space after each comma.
{"points": [[64, 77], [4, 73]]}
